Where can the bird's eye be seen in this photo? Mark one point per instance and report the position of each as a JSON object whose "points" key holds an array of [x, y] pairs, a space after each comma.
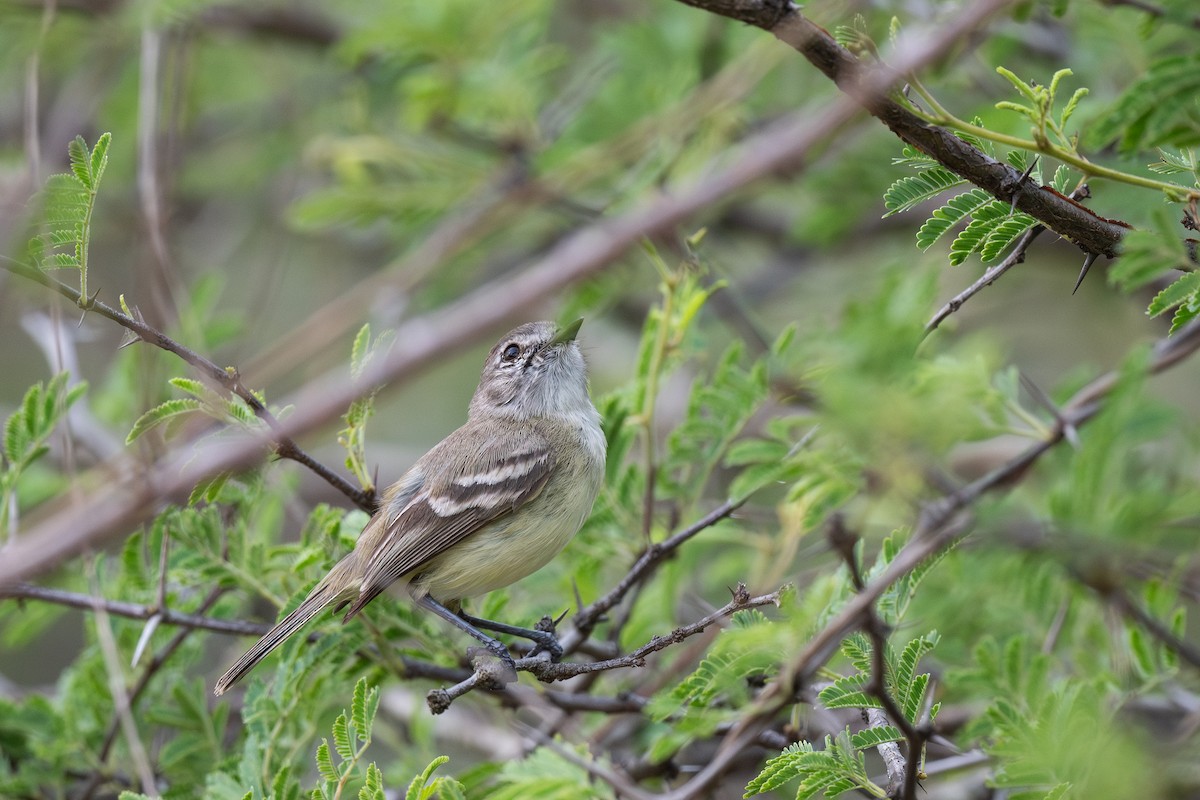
{"points": [[510, 353]]}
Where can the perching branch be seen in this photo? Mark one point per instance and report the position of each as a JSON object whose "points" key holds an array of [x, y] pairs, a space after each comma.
{"points": [[547, 672]]}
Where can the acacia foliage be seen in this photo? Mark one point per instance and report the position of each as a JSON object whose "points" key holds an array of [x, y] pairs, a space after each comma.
{"points": [[1017, 646]]}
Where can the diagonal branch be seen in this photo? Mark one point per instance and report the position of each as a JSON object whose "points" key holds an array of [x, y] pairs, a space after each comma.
{"points": [[785, 145], [643, 568], [284, 445], [867, 85]]}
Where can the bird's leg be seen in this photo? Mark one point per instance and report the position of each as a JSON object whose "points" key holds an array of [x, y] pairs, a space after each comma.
{"points": [[543, 636], [494, 646]]}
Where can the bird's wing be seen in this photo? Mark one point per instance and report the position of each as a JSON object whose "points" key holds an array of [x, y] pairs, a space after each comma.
{"points": [[453, 491]]}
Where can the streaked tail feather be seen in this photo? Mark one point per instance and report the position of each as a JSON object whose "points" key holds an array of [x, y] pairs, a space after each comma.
{"points": [[332, 589]]}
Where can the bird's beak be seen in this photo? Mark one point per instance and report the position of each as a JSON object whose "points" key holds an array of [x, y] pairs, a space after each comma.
{"points": [[567, 334]]}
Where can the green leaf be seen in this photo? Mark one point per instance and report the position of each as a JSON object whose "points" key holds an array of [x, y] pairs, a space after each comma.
{"points": [[162, 413], [1148, 253], [80, 158], [1018, 84], [99, 159], [946, 217], [909, 688], [417, 789], [793, 761], [1001, 237], [325, 762], [341, 738], [1178, 292], [358, 350], [875, 736], [913, 190], [372, 788], [972, 237], [1184, 314], [1157, 109], [1072, 104], [363, 708], [847, 692]]}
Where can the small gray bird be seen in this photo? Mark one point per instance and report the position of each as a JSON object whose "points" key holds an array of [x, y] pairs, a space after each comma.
{"points": [[489, 504]]}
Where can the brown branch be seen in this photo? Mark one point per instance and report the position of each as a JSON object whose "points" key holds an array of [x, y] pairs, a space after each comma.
{"points": [[413, 668], [1089, 231], [284, 445], [1119, 599], [546, 671]]}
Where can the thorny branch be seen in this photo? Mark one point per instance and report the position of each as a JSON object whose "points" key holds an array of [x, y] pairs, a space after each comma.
{"points": [[1092, 233], [1014, 257]]}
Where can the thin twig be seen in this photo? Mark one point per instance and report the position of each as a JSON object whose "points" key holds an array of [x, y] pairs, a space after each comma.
{"points": [[1015, 256], [412, 668], [284, 445], [584, 621], [26, 591], [1120, 600]]}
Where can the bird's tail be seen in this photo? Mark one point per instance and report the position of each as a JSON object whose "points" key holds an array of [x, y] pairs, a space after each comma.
{"points": [[332, 588]]}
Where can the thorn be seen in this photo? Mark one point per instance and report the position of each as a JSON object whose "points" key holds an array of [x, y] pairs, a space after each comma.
{"points": [[578, 596], [144, 639], [1087, 264], [1020, 183], [1071, 434], [1069, 431]]}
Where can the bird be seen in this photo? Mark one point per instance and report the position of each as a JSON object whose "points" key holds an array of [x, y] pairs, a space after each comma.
{"points": [[491, 503]]}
